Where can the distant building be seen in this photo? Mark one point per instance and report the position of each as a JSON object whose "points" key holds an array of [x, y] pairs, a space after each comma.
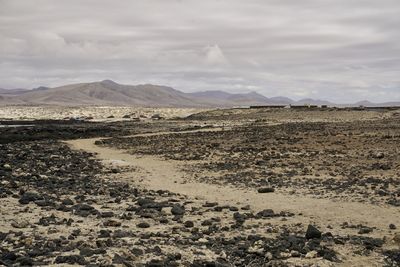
{"points": [[305, 106], [269, 106]]}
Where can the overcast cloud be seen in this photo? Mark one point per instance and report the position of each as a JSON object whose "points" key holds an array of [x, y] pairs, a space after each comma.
{"points": [[340, 50]]}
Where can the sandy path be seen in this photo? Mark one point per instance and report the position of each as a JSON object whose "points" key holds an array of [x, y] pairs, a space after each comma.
{"points": [[156, 173]]}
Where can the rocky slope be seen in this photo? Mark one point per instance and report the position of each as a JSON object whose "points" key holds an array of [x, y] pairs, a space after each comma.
{"points": [[110, 93]]}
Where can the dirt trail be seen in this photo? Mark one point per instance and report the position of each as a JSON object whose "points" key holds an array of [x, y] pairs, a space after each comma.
{"points": [[156, 173]]}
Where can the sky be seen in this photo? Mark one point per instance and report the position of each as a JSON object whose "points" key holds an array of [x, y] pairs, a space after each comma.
{"points": [[338, 50]]}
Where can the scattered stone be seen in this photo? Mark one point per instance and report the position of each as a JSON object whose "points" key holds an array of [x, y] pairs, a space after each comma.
{"points": [[267, 213], [265, 190], [28, 197], [7, 167], [107, 214], [365, 230], [143, 225], [178, 210], [189, 224], [379, 155], [70, 259], [312, 254], [112, 223], [67, 202], [313, 232], [88, 252], [20, 224]]}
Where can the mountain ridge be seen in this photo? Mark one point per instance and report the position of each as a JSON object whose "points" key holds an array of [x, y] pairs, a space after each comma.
{"points": [[108, 92]]}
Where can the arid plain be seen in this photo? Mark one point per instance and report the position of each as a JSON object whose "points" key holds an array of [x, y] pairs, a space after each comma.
{"points": [[108, 186]]}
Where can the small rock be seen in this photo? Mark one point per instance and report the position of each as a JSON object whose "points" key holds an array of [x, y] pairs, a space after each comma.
{"points": [[25, 261], [203, 240], [28, 197], [396, 239], [295, 253], [239, 218], [178, 210], [266, 190], [143, 225], [107, 214], [115, 170], [269, 256], [7, 167], [20, 224], [365, 230], [189, 224], [210, 204], [104, 233], [379, 155], [71, 259], [257, 247], [67, 202], [112, 223], [266, 213], [312, 254], [312, 232], [88, 252]]}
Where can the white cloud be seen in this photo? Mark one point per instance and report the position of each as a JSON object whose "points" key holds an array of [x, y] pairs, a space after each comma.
{"points": [[335, 49], [214, 55]]}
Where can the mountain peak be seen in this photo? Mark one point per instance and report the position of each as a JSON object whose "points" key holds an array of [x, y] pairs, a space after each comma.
{"points": [[41, 88], [254, 93], [108, 82]]}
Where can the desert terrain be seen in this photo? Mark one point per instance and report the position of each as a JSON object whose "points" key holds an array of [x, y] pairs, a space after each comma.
{"points": [[121, 186]]}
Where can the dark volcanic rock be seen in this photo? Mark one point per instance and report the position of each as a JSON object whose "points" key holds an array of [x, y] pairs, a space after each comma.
{"points": [[107, 214], [265, 190], [84, 210], [178, 210], [88, 252], [28, 197], [70, 259], [143, 225], [189, 224], [266, 213], [312, 232], [392, 257], [67, 202], [112, 223]]}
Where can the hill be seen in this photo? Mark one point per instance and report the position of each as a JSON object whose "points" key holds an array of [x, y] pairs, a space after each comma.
{"points": [[110, 93]]}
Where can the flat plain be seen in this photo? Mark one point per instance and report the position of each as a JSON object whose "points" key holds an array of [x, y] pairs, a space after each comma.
{"points": [[187, 187]]}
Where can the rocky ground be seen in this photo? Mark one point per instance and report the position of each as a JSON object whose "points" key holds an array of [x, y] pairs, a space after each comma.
{"points": [[352, 160], [64, 206], [93, 113]]}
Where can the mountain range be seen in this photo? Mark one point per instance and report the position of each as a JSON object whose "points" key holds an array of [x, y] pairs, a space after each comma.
{"points": [[108, 92]]}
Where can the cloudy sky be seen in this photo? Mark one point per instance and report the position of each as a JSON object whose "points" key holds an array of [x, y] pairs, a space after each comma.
{"points": [[339, 50]]}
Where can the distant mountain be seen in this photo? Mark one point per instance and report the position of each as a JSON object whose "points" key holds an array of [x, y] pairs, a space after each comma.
{"points": [[41, 88], [105, 93], [281, 100], [228, 99], [12, 92], [110, 93]]}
